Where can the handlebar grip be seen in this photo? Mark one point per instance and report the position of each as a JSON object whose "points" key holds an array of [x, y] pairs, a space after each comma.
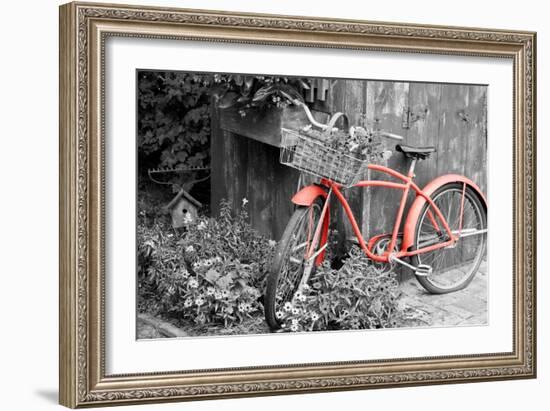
{"points": [[390, 135]]}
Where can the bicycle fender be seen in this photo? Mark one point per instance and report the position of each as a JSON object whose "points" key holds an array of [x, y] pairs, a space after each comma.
{"points": [[307, 195], [416, 207]]}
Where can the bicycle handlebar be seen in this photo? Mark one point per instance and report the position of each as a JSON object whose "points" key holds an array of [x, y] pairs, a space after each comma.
{"points": [[325, 126], [309, 115]]}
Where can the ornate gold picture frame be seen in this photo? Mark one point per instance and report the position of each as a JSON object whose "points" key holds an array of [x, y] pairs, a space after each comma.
{"points": [[84, 29]]}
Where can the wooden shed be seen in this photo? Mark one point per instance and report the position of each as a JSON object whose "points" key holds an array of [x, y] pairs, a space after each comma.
{"points": [[245, 153]]}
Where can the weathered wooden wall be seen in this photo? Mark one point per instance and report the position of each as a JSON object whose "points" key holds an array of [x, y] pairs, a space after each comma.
{"points": [[450, 117]]}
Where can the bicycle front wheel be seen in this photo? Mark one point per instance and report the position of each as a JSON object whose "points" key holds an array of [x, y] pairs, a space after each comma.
{"points": [[454, 267], [287, 269]]}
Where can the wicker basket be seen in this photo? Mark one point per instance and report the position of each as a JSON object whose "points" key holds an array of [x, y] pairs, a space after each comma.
{"points": [[311, 155]]}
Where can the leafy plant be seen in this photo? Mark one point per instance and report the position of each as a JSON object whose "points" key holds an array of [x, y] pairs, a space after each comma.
{"points": [[174, 113], [211, 274], [173, 119], [356, 296]]}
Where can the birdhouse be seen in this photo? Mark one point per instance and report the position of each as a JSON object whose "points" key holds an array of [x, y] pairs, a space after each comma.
{"points": [[184, 209]]}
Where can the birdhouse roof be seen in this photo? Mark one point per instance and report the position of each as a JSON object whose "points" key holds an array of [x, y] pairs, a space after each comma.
{"points": [[182, 194]]}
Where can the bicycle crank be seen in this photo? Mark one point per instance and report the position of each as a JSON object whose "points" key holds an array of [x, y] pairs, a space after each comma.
{"points": [[423, 270]]}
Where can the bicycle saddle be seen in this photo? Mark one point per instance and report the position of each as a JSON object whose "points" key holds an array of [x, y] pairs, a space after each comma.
{"points": [[416, 153]]}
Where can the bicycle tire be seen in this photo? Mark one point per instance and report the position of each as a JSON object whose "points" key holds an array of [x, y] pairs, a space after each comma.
{"points": [[281, 257], [429, 282]]}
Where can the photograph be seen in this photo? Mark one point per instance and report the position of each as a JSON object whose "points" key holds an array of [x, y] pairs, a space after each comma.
{"points": [[268, 203], [256, 203]]}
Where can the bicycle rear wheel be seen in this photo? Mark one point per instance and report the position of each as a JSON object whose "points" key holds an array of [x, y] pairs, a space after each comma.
{"points": [[287, 269], [453, 268]]}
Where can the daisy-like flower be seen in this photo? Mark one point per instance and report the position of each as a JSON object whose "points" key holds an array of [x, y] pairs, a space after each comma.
{"points": [[279, 315], [199, 301], [324, 308], [295, 311], [241, 307], [314, 316], [294, 327], [184, 273], [287, 307], [193, 283], [298, 295], [247, 307], [188, 302], [217, 295], [210, 291], [295, 321], [187, 219], [354, 323]]}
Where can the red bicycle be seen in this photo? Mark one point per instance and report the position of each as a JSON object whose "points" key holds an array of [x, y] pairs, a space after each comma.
{"points": [[444, 233]]}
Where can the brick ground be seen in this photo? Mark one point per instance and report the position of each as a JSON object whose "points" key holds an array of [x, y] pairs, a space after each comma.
{"points": [[464, 307]]}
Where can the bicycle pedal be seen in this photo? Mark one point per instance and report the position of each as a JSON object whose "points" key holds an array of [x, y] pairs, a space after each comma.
{"points": [[423, 270]]}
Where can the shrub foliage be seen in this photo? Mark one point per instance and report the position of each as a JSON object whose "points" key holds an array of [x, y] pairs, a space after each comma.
{"points": [[211, 274]]}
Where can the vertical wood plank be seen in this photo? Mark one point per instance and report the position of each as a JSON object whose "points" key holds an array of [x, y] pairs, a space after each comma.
{"points": [[218, 181], [260, 186], [349, 97], [424, 130], [476, 136], [453, 129], [385, 104]]}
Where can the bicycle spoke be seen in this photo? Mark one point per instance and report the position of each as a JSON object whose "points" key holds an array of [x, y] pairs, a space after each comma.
{"points": [[453, 264]]}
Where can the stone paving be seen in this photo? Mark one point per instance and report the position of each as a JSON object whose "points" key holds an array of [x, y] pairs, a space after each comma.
{"points": [[466, 307]]}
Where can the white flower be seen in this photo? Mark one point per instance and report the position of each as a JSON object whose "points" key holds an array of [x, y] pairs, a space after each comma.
{"points": [[199, 301], [314, 316], [190, 249], [295, 311], [295, 321], [272, 243], [210, 291], [193, 283], [300, 297], [202, 225], [188, 302], [294, 327], [245, 202], [287, 307], [279, 315]]}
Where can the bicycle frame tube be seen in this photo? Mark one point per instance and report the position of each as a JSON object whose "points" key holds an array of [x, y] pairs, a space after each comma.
{"points": [[406, 185]]}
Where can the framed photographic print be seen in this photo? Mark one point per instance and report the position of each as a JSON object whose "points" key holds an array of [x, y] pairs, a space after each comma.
{"points": [[258, 204]]}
